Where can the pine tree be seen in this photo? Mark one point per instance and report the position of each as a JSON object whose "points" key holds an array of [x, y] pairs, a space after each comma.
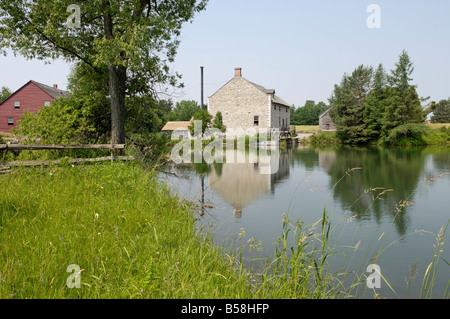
{"points": [[403, 103], [348, 101], [376, 104], [441, 112]]}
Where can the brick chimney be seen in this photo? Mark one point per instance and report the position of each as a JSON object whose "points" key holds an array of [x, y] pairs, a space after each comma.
{"points": [[55, 86], [238, 72]]}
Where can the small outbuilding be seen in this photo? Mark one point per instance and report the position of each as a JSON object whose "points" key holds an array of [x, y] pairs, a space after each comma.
{"points": [[326, 122], [180, 128]]}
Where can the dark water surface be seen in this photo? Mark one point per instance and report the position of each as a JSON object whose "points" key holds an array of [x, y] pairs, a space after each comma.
{"points": [[392, 200]]}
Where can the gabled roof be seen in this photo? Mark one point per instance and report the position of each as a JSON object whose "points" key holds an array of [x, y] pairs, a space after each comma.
{"points": [[53, 92], [326, 111], [275, 99]]}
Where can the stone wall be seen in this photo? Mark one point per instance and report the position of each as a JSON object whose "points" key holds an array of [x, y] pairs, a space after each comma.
{"points": [[240, 101]]}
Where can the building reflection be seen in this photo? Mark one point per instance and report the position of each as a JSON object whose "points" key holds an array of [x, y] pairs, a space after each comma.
{"points": [[245, 176]]}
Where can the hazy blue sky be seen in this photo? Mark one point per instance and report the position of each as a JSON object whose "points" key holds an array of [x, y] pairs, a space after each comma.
{"points": [[300, 48]]}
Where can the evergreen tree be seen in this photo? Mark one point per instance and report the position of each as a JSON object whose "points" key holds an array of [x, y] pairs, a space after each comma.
{"points": [[376, 104], [441, 112], [403, 103], [218, 122], [348, 101]]}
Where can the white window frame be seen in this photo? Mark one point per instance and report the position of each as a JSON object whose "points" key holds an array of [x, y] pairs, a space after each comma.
{"points": [[17, 105], [10, 120]]}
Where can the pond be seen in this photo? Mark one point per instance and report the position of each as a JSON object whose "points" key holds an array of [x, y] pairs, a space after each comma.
{"points": [[388, 203]]}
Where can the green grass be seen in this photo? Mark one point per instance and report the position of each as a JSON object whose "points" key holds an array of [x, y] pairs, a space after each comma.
{"points": [[132, 238]]}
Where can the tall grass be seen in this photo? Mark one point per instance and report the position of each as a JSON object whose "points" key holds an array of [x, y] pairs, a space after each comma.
{"points": [[132, 238], [128, 234]]}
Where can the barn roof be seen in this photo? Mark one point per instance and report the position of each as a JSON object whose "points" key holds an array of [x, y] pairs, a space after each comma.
{"points": [[52, 91]]}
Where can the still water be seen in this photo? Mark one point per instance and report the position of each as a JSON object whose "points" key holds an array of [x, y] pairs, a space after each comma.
{"points": [[385, 202]]}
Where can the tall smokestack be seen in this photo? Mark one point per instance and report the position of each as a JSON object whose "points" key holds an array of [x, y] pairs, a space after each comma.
{"points": [[201, 84]]}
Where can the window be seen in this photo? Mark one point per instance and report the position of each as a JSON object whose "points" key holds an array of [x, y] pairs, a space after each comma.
{"points": [[275, 107], [46, 103], [256, 120], [286, 110], [16, 105], [10, 121]]}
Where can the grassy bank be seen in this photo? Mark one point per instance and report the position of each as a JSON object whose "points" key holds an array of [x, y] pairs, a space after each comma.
{"points": [[129, 236], [433, 134], [132, 239]]}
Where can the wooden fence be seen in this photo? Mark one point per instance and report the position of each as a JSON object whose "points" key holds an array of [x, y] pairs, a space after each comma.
{"points": [[4, 167]]}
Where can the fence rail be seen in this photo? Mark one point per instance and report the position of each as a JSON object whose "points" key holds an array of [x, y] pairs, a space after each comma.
{"points": [[22, 147], [4, 167]]}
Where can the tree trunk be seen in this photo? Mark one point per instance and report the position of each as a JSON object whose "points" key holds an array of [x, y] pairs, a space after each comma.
{"points": [[117, 79]]}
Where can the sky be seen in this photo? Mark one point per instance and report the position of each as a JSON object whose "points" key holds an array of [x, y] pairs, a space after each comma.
{"points": [[300, 48]]}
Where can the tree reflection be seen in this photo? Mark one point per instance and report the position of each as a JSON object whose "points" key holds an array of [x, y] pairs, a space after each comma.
{"points": [[384, 184]]}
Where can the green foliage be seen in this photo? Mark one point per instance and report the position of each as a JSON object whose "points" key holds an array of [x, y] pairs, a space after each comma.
{"points": [[324, 138], [413, 130], [348, 102], [143, 115], [308, 114], [376, 104], [62, 122], [204, 117], [441, 112], [4, 93], [403, 103], [131, 42], [218, 122], [184, 111], [368, 106]]}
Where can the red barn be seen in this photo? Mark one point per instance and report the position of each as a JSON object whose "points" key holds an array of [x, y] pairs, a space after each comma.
{"points": [[32, 96]]}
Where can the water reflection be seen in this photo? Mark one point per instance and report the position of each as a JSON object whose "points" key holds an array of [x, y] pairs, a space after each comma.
{"points": [[240, 182], [369, 182]]}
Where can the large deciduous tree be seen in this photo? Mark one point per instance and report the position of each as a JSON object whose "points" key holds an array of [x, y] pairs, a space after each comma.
{"points": [[131, 40]]}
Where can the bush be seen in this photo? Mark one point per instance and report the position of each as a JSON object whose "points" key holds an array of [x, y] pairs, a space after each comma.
{"points": [[324, 138], [414, 134]]}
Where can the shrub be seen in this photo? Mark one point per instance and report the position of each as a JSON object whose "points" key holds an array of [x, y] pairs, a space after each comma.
{"points": [[324, 138]]}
